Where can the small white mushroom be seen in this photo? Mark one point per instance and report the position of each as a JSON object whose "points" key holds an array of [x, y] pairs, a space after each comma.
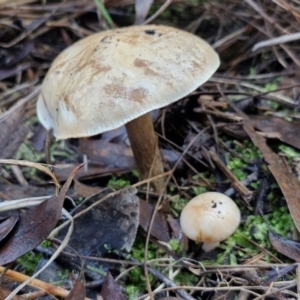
{"points": [[210, 218]]}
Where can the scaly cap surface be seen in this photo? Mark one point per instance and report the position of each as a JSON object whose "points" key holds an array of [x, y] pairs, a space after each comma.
{"points": [[112, 77]]}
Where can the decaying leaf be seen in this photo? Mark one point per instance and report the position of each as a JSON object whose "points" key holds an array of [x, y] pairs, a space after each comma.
{"points": [[77, 292], [160, 228], [12, 133], [17, 191], [286, 180], [277, 273], [7, 225], [109, 155], [111, 290], [34, 226], [284, 246], [279, 128], [85, 190], [109, 225], [62, 171]]}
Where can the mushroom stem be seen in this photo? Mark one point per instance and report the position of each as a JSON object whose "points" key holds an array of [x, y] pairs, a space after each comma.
{"points": [[145, 149], [208, 246]]}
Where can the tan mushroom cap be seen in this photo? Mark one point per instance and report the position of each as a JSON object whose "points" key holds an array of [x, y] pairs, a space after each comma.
{"points": [[112, 77], [210, 217]]}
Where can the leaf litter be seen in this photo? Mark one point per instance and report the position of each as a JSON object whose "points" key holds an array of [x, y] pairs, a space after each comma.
{"points": [[263, 83]]}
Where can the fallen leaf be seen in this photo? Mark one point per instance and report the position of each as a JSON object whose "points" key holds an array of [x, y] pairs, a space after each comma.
{"points": [[17, 191], [77, 292], [278, 272], [62, 171], [7, 225], [34, 226], [12, 133], [111, 290], [287, 132], [109, 155], [85, 190], [286, 180], [160, 229], [109, 225], [284, 246]]}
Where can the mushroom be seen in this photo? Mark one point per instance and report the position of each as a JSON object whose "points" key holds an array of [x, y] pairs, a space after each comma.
{"points": [[210, 218], [117, 77]]}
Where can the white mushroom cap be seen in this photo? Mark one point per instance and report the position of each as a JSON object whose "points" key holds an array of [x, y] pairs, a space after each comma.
{"points": [[210, 218], [112, 77]]}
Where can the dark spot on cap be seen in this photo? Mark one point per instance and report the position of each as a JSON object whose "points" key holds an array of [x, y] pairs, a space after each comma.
{"points": [[150, 31], [219, 212], [214, 205]]}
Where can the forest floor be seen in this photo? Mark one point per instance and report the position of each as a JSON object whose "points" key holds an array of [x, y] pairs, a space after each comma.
{"points": [[237, 134]]}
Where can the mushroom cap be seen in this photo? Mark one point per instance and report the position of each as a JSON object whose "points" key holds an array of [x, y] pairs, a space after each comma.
{"points": [[110, 78], [210, 217]]}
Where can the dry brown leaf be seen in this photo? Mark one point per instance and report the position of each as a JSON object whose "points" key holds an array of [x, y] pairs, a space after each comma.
{"points": [[287, 132], [77, 292], [160, 228], [85, 190], [111, 290], [284, 246], [12, 133], [7, 225], [34, 226], [286, 180]]}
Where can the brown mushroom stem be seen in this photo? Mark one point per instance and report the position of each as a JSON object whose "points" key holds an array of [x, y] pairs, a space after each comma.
{"points": [[145, 149]]}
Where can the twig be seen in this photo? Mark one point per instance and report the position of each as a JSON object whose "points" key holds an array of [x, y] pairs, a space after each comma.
{"points": [[278, 40], [158, 12]]}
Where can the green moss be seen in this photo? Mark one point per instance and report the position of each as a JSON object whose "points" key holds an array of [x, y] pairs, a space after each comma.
{"points": [[271, 86], [99, 271], [256, 229], [176, 205], [290, 152], [199, 190], [29, 262], [186, 279], [118, 183], [138, 249], [63, 275], [176, 246], [248, 154], [46, 244], [132, 291], [237, 166], [136, 282]]}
